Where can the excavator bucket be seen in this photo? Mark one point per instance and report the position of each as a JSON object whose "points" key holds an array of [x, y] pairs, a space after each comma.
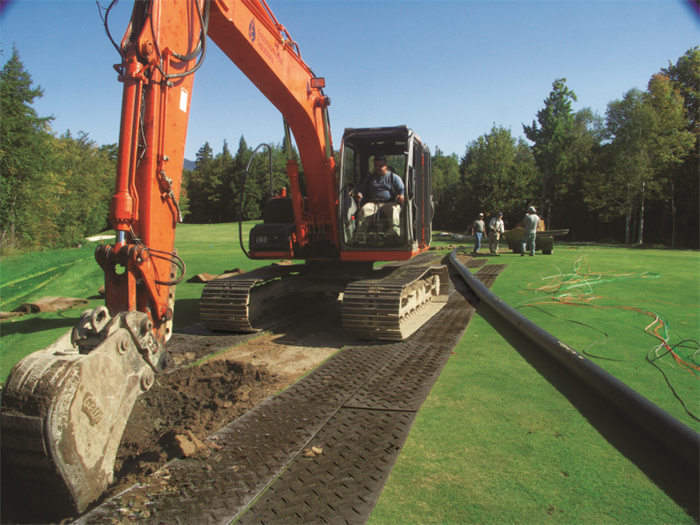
{"points": [[64, 408]]}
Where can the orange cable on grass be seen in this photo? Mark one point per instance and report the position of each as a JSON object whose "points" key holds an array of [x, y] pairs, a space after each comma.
{"points": [[580, 286]]}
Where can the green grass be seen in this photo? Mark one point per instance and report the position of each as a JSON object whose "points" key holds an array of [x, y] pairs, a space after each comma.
{"points": [[600, 300], [505, 436], [75, 273], [209, 249]]}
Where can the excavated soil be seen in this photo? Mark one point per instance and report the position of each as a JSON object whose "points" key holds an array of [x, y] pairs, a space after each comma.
{"points": [[218, 377], [183, 408], [215, 384]]}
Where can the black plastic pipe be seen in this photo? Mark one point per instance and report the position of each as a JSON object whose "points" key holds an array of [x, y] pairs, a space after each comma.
{"points": [[679, 438]]}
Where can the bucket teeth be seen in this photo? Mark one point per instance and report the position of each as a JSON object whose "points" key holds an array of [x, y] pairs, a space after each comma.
{"points": [[64, 411]]}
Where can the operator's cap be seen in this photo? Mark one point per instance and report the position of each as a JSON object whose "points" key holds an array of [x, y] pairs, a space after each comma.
{"points": [[379, 158]]}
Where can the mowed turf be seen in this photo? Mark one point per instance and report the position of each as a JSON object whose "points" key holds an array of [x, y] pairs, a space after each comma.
{"points": [[507, 436], [74, 272]]}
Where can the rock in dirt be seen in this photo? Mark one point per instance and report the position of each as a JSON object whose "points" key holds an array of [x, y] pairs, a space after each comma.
{"points": [[187, 445], [182, 408]]}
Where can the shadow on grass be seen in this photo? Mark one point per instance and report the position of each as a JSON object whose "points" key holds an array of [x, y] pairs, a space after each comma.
{"points": [[32, 324], [186, 313], [674, 476]]}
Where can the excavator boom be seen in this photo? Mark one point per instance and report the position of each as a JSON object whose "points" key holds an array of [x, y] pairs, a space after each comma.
{"points": [[163, 47]]}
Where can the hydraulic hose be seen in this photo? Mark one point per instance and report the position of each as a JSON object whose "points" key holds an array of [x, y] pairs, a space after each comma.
{"points": [[679, 438], [240, 202]]}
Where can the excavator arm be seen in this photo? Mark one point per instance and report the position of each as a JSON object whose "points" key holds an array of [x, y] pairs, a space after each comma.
{"points": [[164, 45], [64, 409]]}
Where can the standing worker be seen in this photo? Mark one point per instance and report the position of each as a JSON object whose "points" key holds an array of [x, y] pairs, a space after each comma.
{"points": [[496, 228], [478, 228], [530, 223]]}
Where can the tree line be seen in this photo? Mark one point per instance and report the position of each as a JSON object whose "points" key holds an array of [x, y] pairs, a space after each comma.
{"points": [[629, 176], [219, 189], [54, 190]]}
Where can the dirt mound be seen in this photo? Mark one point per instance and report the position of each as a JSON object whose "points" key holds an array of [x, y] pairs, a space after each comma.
{"points": [[175, 416], [185, 406]]}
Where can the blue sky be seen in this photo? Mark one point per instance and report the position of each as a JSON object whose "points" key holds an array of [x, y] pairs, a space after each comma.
{"points": [[448, 69]]}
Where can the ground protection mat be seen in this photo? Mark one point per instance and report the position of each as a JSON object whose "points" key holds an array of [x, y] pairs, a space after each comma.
{"points": [[321, 451]]}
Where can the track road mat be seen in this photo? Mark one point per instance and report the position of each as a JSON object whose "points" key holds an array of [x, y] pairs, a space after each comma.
{"points": [[319, 452]]}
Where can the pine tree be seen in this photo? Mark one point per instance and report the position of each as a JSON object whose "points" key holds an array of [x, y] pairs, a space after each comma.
{"points": [[24, 149], [551, 140]]}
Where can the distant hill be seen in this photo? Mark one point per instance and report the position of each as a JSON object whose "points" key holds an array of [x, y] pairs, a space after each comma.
{"points": [[189, 165]]}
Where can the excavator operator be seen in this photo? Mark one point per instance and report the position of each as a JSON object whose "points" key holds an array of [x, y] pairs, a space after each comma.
{"points": [[380, 193]]}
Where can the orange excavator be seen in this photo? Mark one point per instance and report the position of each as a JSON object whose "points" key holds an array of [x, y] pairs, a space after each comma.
{"points": [[64, 408]]}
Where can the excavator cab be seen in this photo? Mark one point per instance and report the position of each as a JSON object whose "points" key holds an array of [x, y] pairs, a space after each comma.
{"points": [[389, 225]]}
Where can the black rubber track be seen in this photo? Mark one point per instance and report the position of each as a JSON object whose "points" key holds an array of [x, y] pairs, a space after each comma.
{"points": [[355, 410]]}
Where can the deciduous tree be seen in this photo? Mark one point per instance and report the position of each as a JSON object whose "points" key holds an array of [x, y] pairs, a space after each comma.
{"points": [[449, 212], [685, 77], [499, 174], [579, 164], [671, 142], [620, 191], [84, 182]]}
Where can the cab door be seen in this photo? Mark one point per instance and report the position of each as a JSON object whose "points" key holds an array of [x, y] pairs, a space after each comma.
{"points": [[421, 195]]}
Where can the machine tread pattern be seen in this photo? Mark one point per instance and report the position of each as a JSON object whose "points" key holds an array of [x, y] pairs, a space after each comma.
{"points": [[225, 304], [356, 410], [392, 308]]}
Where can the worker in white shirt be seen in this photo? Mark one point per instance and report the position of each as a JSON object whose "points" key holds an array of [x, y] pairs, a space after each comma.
{"points": [[496, 229]]}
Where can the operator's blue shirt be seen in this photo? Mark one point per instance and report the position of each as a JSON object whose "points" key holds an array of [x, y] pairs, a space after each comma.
{"points": [[383, 188]]}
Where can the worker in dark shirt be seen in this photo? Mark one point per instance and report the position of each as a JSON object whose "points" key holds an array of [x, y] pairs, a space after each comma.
{"points": [[478, 229]]}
